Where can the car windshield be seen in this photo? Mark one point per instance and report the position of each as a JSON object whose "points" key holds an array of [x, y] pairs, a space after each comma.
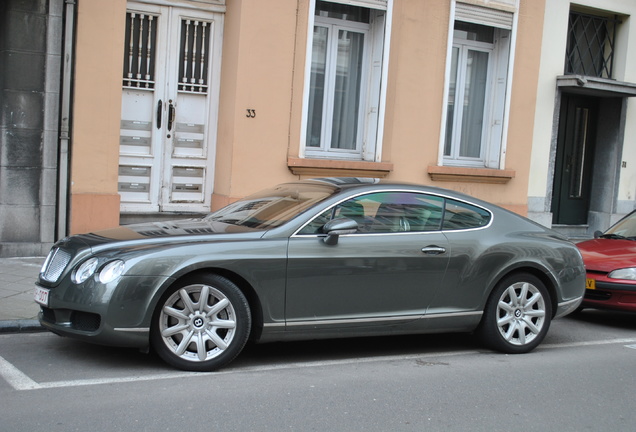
{"points": [[624, 229], [273, 207]]}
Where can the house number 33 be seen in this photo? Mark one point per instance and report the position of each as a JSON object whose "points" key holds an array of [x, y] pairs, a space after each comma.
{"points": [[251, 113]]}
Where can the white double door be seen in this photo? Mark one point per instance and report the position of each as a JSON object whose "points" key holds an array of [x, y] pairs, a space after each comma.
{"points": [[170, 89]]}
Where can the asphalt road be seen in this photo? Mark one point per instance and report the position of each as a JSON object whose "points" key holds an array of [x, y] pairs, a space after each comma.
{"points": [[581, 378]]}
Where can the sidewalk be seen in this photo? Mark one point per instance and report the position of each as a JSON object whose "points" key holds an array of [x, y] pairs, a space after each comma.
{"points": [[18, 310]]}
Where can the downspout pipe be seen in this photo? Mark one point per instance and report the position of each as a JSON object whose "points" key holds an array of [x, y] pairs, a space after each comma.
{"points": [[65, 121]]}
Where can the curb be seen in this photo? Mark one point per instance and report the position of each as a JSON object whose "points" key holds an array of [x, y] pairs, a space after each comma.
{"points": [[20, 326]]}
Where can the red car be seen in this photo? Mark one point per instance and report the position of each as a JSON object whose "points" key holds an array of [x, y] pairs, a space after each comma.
{"points": [[610, 262]]}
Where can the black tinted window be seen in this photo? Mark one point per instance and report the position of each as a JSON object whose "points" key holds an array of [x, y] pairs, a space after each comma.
{"points": [[460, 215], [385, 212]]}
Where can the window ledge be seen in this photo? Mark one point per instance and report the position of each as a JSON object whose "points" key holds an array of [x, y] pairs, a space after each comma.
{"points": [[475, 175], [338, 168]]}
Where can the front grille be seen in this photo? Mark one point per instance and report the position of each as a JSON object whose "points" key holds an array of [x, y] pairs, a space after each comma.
{"points": [[82, 321], [55, 264], [85, 321]]}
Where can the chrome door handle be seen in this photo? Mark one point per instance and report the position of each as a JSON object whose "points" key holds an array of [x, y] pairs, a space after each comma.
{"points": [[433, 250]]}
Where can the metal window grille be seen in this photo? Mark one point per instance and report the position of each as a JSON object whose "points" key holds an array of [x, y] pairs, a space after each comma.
{"points": [[590, 49], [194, 56], [139, 57]]}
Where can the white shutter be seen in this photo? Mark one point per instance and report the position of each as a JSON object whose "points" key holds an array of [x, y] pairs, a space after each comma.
{"points": [[373, 101], [483, 15], [371, 4]]}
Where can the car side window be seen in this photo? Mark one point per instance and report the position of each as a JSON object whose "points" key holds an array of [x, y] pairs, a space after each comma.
{"points": [[460, 215], [385, 212], [407, 212], [315, 226]]}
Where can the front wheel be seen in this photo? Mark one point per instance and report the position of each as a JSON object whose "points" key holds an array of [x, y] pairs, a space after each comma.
{"points": [[517, 315], [201, 324]]}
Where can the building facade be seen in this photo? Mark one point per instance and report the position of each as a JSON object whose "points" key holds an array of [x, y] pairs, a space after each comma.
{"points": [[178, 107], [30, 82], [584, 139]]}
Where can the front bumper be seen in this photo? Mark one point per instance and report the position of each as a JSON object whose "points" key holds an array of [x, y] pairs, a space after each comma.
{"points": [[88, 327], [610, 295], [116, 314]]}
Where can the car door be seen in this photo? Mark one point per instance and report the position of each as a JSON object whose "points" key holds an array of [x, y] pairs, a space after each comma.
{"points": [[387, 272]]}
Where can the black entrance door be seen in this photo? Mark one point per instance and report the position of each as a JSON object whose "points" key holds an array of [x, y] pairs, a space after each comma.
{"points": [[574, 160]]}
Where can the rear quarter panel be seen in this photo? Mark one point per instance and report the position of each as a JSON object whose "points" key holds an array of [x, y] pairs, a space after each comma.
{"points": [[481, 258]]}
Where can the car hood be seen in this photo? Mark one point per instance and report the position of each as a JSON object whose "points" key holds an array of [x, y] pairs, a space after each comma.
{"points": [[186, 227], [608, 254], [160, 233]]}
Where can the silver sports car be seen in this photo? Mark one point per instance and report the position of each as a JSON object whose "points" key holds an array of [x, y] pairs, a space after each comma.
{"points": [[322, 258]]}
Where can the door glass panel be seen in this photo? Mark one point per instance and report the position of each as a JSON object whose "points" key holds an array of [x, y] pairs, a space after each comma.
{"points": [[347, 90], [193, 56], [474, 103], [578, 154], [139, 64]]}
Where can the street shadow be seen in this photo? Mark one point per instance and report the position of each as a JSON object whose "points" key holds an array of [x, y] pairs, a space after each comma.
{"points": [[606, 318], [352, 348], [82, 358], [77, 352]]}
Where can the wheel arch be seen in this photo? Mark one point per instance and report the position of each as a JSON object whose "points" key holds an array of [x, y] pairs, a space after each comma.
{"points": [[246, 288], [538, 271]]}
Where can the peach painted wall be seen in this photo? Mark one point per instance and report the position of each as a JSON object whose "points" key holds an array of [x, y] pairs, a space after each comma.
{"points": [[257, 71], [96, 114], [415, 98], [263, 69]]}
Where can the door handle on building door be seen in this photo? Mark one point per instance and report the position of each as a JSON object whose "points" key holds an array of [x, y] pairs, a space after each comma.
{"points": [[159, 113], [171, 115]]}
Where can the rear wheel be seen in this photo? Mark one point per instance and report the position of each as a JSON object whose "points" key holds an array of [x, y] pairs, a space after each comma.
{"points": [[517, 315], [201, 324]]}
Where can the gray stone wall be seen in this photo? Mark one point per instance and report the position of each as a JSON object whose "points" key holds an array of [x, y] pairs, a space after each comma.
{"points": [[30, 58]]}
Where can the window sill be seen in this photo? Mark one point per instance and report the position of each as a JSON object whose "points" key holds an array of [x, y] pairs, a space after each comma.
{"points": [[475, 175], [338, 168]]}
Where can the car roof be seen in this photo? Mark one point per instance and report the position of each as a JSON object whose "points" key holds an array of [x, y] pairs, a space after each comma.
{"points": [[346, 183]]}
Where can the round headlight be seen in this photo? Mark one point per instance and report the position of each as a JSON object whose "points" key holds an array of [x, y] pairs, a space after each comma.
{"points": [[626, 274], [84, 271], [111, 271]]}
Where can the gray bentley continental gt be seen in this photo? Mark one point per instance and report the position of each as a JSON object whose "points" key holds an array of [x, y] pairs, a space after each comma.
{"points": [[322, 258]]}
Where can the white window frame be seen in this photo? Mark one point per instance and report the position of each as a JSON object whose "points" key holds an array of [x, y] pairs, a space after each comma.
{"points": [[373, 92], [334, 27], [455, 157], [497, 109]]}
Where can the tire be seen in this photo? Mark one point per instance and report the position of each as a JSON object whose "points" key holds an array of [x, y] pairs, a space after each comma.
{"points": [[517, 315], [195, 335]]}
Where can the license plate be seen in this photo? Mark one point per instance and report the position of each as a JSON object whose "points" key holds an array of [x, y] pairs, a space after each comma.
{"points": [[590, 283], [41, 295]]}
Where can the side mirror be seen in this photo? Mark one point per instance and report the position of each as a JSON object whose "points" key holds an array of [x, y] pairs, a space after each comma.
{"points": [[336, 227], [598, 234]]}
